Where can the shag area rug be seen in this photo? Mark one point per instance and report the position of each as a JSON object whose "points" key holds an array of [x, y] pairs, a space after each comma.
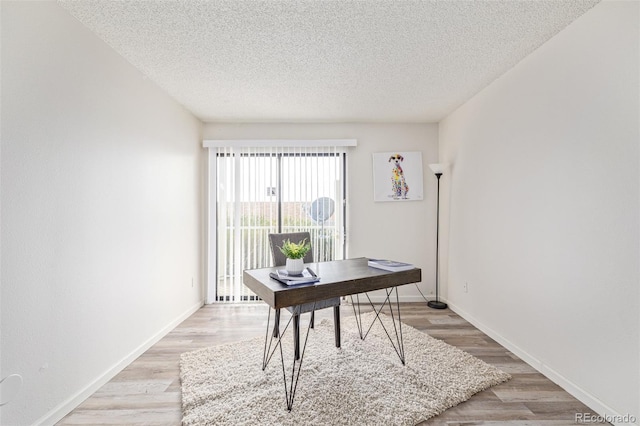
{"points": [[361, 383]]}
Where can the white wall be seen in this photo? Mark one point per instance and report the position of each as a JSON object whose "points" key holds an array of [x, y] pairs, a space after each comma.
{"points": [[396, 230], [544, 212], [101, 211]]}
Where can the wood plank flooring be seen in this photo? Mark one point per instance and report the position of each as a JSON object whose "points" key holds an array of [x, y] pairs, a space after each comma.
{"points": [[148, 390]]}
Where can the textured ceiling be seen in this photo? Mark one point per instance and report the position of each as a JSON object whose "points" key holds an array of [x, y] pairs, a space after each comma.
{"points": [[324, 61]]}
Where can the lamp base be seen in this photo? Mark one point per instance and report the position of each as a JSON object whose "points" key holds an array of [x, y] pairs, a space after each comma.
{"points": [[436, 304]]}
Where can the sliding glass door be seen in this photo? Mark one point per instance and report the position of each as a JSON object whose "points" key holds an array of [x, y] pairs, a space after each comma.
{"points": [[260, 191]]}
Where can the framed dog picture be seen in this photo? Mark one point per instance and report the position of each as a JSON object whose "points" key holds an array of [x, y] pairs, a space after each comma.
{"points": [[397, 176]]}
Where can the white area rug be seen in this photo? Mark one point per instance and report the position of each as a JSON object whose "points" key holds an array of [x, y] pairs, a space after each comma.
{"points": [[362, 383]]}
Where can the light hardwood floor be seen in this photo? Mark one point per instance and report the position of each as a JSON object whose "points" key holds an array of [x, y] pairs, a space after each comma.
{"points": [[148, 391]]}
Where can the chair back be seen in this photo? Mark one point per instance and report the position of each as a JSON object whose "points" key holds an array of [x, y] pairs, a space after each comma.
{"points": [[276, 240]]}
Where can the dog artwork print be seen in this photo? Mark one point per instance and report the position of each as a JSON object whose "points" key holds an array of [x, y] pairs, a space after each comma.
{"points": [[399, 187], [397, 176]]}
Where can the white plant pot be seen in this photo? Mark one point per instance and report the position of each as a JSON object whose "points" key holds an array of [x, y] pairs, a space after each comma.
{"points": [[294, 266]]}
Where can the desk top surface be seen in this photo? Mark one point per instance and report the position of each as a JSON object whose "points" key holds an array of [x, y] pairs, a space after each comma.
{"points": [[337, 278]]}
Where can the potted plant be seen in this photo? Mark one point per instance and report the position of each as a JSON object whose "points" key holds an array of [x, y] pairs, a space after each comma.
{"points": [[294, 252]]}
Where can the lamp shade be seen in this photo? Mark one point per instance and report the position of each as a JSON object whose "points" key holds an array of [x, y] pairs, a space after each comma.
{"points": [[438, 167]]}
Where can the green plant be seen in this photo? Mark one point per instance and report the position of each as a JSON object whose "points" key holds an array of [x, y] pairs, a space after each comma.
{"points": [[293, 250]]}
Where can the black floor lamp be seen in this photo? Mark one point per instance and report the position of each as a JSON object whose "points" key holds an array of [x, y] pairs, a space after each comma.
{"points": [[438, 169]]}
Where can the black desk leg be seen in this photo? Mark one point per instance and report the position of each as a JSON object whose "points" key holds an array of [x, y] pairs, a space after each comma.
{"points": [[398, 345], [290, 385], [296, 335], [336, 324], [276, 326]]}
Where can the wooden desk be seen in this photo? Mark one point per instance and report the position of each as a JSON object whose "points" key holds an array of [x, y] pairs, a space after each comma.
{"points": [[337, 279]]}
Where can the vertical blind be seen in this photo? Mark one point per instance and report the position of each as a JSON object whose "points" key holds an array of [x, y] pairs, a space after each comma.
{"points": [[281, 189]]}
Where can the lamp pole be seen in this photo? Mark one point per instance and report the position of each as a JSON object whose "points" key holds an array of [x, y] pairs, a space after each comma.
{"points": [[437, 304]]}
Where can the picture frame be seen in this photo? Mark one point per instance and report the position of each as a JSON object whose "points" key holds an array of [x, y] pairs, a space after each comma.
{"points": [[397, 176]]}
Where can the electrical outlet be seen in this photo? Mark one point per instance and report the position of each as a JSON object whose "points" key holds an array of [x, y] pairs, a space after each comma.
{"points": [[192, 282], [466, 287]]}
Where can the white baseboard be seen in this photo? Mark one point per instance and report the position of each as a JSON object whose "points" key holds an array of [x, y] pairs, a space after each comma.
{"points": [[57, 413], [580, 394]]}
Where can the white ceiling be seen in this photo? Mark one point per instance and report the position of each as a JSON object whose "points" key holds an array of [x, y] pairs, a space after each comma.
{"points": [[324, 61]]}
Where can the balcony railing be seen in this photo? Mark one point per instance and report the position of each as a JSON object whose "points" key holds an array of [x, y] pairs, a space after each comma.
{"points": [[255, 252]]}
